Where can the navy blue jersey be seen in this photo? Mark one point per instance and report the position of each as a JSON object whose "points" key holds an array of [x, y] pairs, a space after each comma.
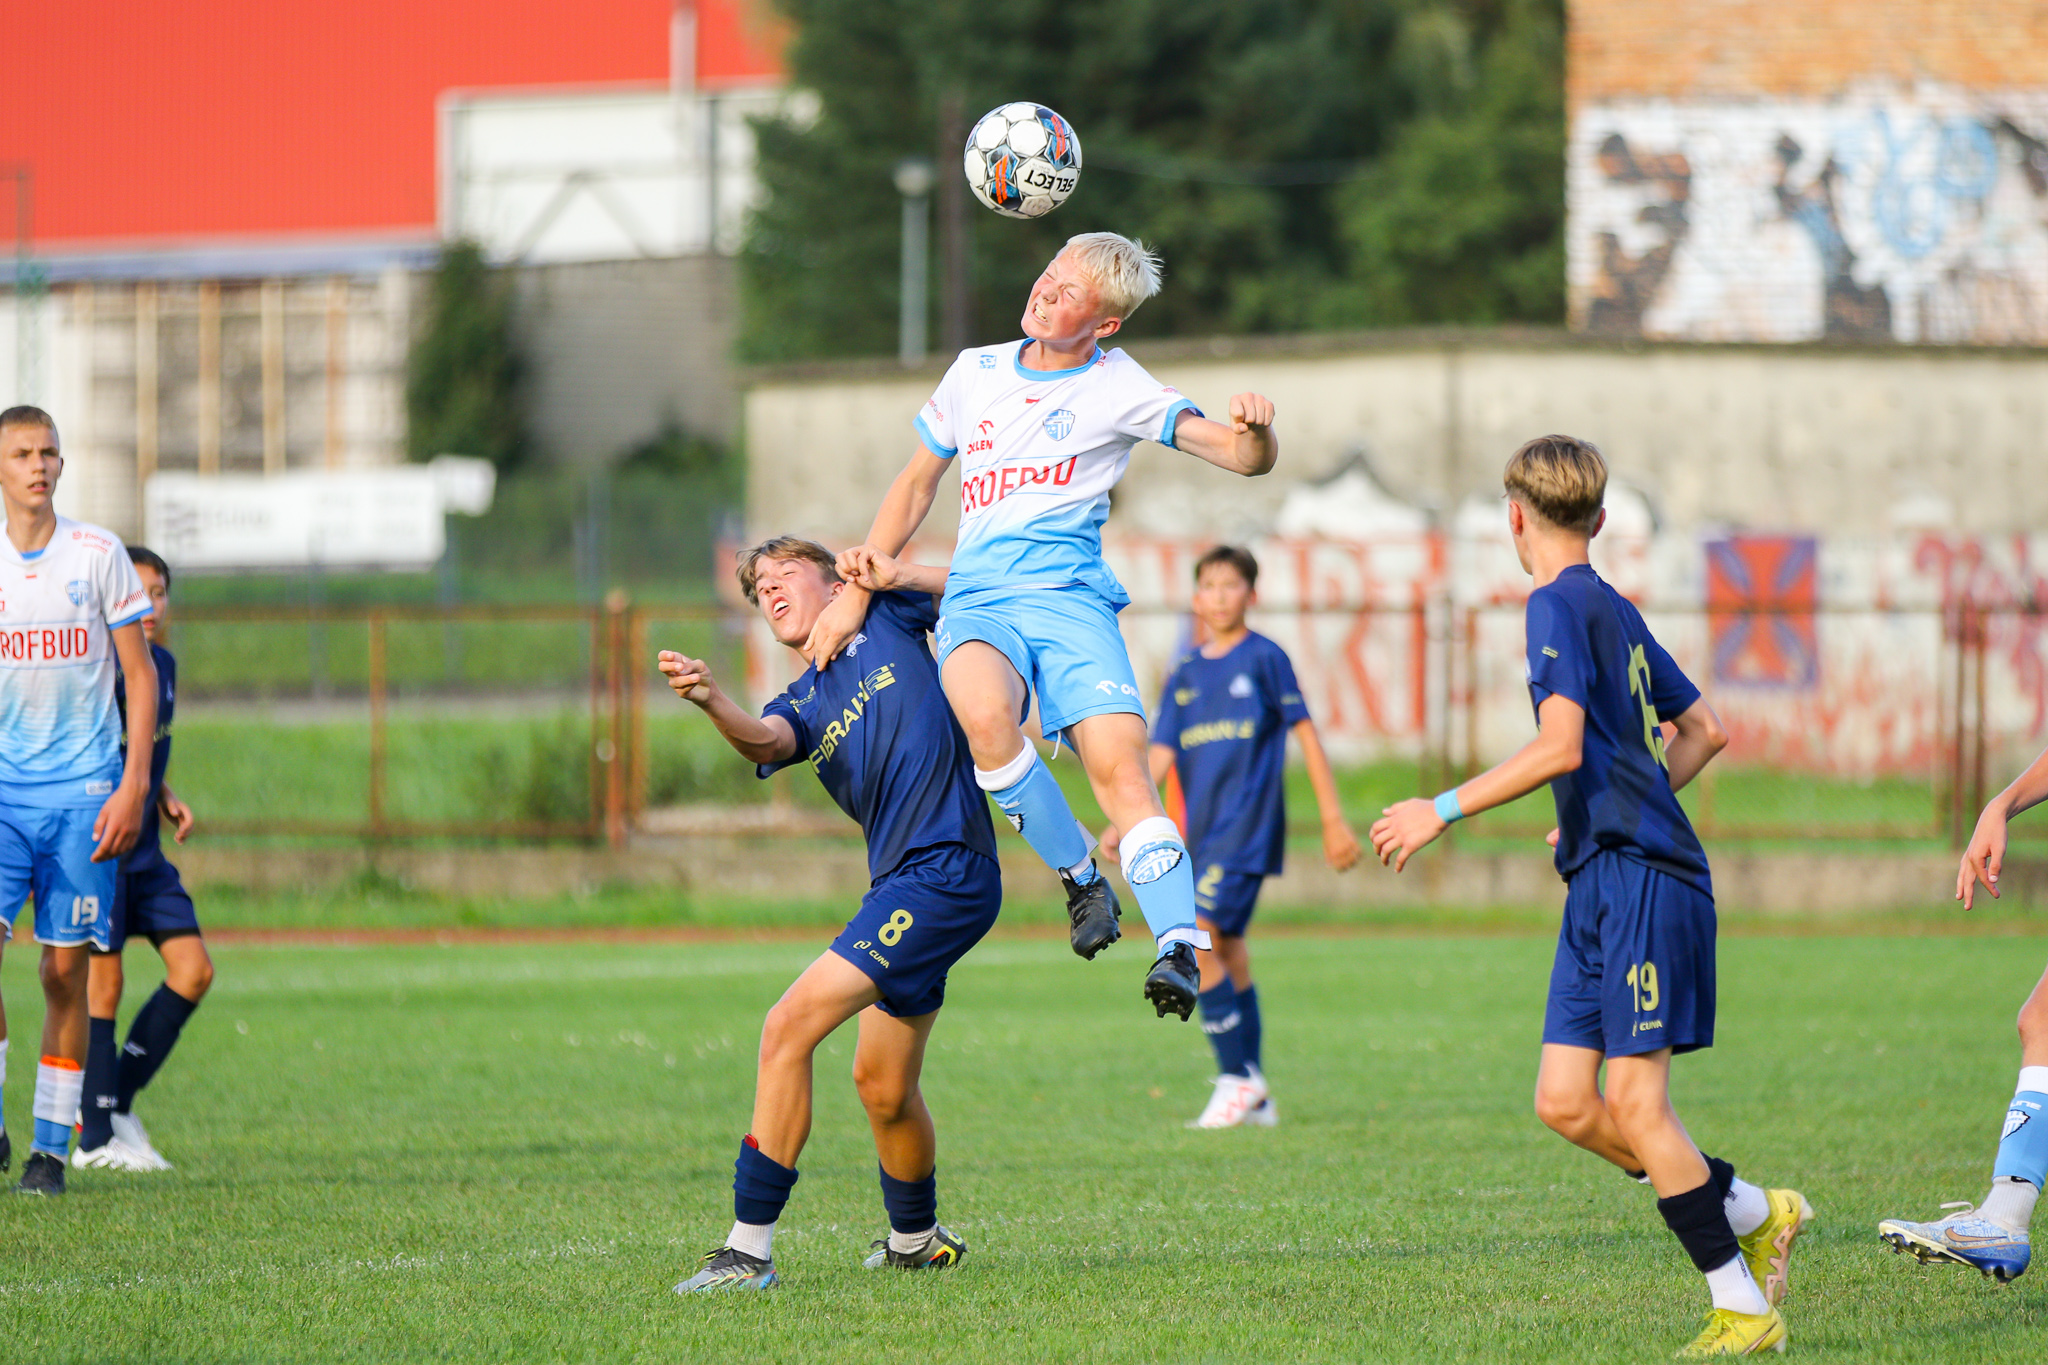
{"points": [[1227, 721], [878, 731], [146, 843], [1588, 644]]}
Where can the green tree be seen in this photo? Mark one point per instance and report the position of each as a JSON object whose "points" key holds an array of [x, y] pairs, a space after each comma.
{"points": [[1230, 133], [463, 373]]}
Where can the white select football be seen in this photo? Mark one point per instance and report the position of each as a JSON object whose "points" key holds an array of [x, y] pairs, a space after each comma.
{"points": [[1022, 160]]}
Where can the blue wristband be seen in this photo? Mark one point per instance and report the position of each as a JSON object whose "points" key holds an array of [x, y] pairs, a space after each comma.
{"points": [[1447, 808]]}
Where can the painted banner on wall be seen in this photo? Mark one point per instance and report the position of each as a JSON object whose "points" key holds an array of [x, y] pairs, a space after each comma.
{"points": [[1888, 214]]}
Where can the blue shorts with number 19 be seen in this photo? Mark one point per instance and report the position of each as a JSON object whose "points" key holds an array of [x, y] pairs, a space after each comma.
{"points": [[48, 853], [1635, 961], [915, 923]]}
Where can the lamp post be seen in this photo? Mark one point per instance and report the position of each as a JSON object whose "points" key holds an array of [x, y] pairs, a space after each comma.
{"points": [[914, 177]]}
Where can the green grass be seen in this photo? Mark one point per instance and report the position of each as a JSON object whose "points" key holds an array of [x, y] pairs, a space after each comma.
{"points": [[511, 1152]]}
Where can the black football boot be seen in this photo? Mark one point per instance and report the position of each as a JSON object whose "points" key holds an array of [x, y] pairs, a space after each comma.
{"points": [[1094, 911], [1174, 981]]}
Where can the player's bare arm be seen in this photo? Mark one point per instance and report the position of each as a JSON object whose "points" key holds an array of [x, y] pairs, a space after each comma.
{"points": [[1984, 856], [755, 739], [1405, 827], [1246, 444], [864, 566], [1340, 841], [1699, 736], [904, 508], [120, 819]]}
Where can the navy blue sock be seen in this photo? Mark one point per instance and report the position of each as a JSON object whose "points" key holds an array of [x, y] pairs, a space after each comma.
{"points": [[913, 1205], [150, 1039], [102, 1069], [760, 1187], [1223, 1021], [1252, 1029]]}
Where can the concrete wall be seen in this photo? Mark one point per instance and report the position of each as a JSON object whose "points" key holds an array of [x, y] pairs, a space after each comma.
{"points": [[1855, 169], [1859, 441], [616, 348]]}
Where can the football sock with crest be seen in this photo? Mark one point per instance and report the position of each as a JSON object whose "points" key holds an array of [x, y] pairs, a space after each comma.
{"points": [[2022, 1165], [59, 1082], [1223, 1021], [151, 1036], [1251, 1028], [760, 1189], [913, 1208], [102, 1070], [1156, 865], [1031, 797]]}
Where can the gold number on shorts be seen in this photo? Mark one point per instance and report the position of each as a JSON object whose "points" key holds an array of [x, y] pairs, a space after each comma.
{"points": [[1642, 979], [892, 933], [1639, 688]]}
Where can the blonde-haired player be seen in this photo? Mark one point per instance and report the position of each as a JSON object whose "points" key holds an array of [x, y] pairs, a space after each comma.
{"points": [[1041, 429]]}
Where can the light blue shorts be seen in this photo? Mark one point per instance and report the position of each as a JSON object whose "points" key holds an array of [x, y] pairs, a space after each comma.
{"points": [[48, 854], [1062, 641]]}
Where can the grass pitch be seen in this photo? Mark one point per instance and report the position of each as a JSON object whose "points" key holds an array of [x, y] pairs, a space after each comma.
{"points": [[513, 1151]]}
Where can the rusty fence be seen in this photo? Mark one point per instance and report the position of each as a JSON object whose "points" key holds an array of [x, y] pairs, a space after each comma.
{"points": [[492, 722]]}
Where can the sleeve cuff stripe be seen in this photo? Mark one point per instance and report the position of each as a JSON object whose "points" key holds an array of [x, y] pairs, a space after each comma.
{"points": [[1173, 413], [931, 442], [128, 620]]}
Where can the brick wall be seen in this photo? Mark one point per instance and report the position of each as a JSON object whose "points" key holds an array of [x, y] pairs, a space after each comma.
{"points": [[1853, 170]]}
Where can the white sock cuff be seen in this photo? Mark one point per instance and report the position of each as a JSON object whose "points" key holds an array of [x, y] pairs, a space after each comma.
{"points": [[756, 1239], [2034, 1078], [1159, 829], [1197, 939], [1010, 774], [3, 1061], [58, 1090]]}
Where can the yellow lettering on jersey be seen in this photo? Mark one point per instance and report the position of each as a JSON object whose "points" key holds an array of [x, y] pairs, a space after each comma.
{"points": [[1197, 735]]}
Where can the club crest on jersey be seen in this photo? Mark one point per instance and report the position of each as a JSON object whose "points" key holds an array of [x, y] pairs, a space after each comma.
{"points": [[79, 591], [988, 362], [1241, 687], [1060, 425], [858, 641]]}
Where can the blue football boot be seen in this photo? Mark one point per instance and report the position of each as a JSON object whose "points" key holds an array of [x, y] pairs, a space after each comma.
{"points": [[1965, 1237]]}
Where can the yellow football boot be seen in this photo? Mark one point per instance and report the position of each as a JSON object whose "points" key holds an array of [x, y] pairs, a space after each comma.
{"points": [[1729, 1333], [1769, 1249]]}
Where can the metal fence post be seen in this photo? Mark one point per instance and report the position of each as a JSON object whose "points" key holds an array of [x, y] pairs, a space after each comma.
{"points": [[616, 763], [377, 736]]}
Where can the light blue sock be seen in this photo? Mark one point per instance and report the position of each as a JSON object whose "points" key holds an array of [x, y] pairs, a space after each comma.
{"points": [[1028, 793], [52, 1137], [2023, 1146], [1156, 863]]}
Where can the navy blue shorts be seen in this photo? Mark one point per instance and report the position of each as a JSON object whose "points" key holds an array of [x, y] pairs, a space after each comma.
{"points": [[918, 921], [1635, 962], [1227, 899], [151, 901]]}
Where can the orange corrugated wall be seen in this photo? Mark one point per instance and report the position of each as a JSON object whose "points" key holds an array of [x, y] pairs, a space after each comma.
{"points": [[233, 118]]}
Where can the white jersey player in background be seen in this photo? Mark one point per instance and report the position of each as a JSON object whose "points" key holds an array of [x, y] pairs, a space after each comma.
{"points": [[70, 806], [1041, 429]]}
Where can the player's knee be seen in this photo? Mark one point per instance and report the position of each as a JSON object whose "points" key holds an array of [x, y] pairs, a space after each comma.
{"points": [[64, 977], [193, 980], [2033, 1021], [780, 1034], [1636, 1109], [1566, 1112], [884, 1091]]}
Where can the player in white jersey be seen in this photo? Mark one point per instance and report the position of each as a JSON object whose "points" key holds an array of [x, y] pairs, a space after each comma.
{"points": [[70, 806], [1041, 429]]}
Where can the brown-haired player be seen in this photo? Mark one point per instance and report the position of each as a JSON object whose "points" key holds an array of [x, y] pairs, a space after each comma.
{"points": [[1633, 982], [1224, 716], [878, 733]]}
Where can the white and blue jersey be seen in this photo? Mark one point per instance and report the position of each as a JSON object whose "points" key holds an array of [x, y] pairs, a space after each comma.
{"points": [[878, 732], [1038, 452], [1227, 720], [60, 746]]}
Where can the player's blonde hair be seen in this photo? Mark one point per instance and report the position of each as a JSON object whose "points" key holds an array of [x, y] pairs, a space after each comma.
{"points": [[1126, 273], [783, 548], [1562, 479]]}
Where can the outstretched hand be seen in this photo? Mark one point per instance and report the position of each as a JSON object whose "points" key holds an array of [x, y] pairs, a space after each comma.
{"points": [[1404, 829], [690, 678], [1248, 410]]}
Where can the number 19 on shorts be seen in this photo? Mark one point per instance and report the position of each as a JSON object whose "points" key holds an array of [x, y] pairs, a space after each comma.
{"points": [[1642, 984]]}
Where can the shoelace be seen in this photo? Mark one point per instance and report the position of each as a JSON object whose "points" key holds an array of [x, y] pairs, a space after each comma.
{"points": [[1963, 1209]]}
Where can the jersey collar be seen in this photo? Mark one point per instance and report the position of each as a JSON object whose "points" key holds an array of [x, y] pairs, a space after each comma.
{"points": [[1082, 368]]}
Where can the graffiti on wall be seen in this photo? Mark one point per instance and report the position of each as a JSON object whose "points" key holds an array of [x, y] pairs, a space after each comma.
{"points": [[1911, 215]]}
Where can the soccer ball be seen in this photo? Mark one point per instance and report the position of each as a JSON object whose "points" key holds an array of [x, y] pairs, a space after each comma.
{"points": [[1023, 160]]}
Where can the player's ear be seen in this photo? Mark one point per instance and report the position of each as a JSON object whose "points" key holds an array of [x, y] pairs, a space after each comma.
{"points": [[1107, 328], [1598, 522], [1516, 518]]}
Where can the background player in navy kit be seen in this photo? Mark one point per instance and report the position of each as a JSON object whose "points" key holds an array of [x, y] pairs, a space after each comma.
{"points": [[149, 899], [1224, 717], [877, 730], [1633, 981]]}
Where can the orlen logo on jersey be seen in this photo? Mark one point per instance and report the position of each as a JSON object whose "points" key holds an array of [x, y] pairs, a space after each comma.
{"points": [[984, 438], [984, 490], [43, 646]]}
